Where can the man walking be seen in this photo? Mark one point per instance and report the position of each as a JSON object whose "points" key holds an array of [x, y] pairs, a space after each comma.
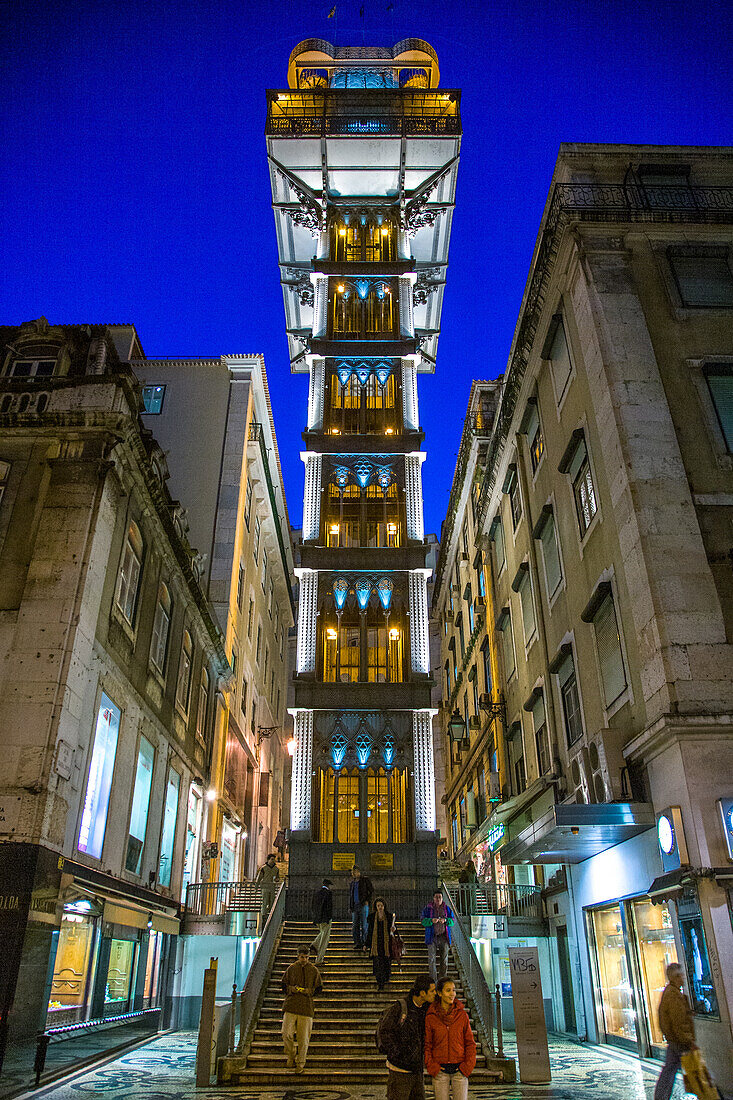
{"points": [[401, 1035], [437, 919], [678, 1028], [322, 918], [301, 983], [268, 878], [360, 894]]}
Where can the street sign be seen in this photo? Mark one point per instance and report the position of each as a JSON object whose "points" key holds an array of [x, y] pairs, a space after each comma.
{"points": [[529, 1016]]}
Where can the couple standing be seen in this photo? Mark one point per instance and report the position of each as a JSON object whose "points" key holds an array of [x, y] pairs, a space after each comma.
{"points": [[430, 1030]]}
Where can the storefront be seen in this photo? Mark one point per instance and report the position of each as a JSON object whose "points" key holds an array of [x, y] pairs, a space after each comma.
{"points": [[229, 852], [632, 942], [77, 951]]}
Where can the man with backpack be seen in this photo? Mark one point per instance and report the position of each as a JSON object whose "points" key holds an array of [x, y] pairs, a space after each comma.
{"points": [[401, 1036]]}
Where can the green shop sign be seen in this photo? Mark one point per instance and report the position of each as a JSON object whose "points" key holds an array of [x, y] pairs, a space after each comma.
{"points": [[495, 836]]}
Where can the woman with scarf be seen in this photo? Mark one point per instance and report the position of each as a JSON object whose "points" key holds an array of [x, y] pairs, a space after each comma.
{"points": [[450, 1048], [380, 927]]}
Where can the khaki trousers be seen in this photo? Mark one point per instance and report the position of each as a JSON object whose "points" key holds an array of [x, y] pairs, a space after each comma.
{"points": [[320, 941], [299, 1027]]}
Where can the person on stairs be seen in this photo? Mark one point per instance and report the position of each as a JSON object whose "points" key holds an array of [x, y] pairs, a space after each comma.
{"points": [[360, 894], [380, 928], [268, 878], [450, 1048], [402, 1034], [301, 983], [437, 919], [323, 919]]}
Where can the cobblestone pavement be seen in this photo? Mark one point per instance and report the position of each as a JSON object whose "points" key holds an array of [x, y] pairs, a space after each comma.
{"points": [[164, 1070]]}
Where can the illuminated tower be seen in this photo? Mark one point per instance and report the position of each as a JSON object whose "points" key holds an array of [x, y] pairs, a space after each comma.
{"points": [[363, 151]]}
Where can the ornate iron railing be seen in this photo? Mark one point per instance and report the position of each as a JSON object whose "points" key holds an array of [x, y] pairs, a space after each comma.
{"points": [[212, 899], [498, 900], [632, 201], [358, 112]]}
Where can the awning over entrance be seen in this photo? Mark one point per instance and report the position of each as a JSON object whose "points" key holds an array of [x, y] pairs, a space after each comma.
{"points": [[572, 833], [669, 886]]}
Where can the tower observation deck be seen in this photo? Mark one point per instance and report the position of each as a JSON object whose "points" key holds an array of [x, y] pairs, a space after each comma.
{"points": [[363, 151]]}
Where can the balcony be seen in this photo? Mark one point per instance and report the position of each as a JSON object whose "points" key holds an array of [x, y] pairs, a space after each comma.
{"points": [[223, 908], [362, 113], [408, 695], [402, 558], [511, 905]]}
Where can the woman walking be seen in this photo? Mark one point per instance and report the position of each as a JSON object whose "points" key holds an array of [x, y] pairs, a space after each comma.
{"points": [[380, 926], [450, 1048]]}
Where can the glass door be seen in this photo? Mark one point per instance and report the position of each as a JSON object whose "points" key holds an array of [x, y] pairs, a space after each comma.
{"points": [[615, 991], [655, 947]]}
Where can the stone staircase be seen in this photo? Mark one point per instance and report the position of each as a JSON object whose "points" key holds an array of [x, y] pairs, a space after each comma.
{"points": [[342, 1048]]}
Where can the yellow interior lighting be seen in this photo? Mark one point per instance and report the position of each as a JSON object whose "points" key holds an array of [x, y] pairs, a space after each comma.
{"points": [[389, 431], [340, 289], [394, 634], [335, 431], [334, 528], [331, 634], [391, 527], [342, 231], [385, 230]]}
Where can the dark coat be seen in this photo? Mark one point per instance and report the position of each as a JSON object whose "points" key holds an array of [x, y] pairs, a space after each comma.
{"points": [[365, 892], [405, 1046], [322, 906], [382, 945]]}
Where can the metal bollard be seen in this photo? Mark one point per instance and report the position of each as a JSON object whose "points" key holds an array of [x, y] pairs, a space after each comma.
{"points": [[240, 1044], [41, 1051], [232, 1019], [499, 1033]]}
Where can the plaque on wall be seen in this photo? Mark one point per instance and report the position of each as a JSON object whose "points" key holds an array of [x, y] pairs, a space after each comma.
{"points": [[382, 861], [342, 861]]}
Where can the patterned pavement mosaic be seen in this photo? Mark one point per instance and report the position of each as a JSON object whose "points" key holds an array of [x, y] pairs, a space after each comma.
{"points": [[164, 1069]]}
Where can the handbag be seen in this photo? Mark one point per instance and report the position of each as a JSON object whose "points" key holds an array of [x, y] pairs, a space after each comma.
{"points": [[697, 1076], [396, 947]]}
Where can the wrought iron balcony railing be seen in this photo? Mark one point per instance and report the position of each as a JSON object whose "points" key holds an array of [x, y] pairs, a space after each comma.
{"points": [[362, 113], [212, 899]]}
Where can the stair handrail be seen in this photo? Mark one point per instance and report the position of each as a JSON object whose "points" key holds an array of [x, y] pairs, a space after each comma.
{"points": [[255, 985], [472, 974]]}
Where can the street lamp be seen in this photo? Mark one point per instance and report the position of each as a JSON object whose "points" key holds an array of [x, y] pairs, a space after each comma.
{"points": [[457, 733]]}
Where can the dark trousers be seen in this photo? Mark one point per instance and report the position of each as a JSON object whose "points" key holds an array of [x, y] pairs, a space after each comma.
{"points": [[405, 1086], [672, 1064], [382, 967]]}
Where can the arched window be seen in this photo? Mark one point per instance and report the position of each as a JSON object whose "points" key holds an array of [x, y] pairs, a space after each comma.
{"points": [[203, 707], [161, 627], [128, 580], [183, 689]]}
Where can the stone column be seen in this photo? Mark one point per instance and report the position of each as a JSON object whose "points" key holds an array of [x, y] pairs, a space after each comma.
{"points": [[409, 395], [320, 304], [312, 495], [424, 771], [419, 631], [300, 786], [413, 496], [307, 611]]}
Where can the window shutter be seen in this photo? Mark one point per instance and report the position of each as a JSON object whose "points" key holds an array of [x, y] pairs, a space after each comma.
{"points": [[506, 637], [610, 656], [720, 383], [499, 546], [703, 280], [525, 595], [538, 712], [551, 555], [560, 359]]}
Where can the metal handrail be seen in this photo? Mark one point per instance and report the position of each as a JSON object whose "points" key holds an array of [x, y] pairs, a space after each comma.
{"points": [[473, 975], [213, 899], [255, 984], [498, 899]]}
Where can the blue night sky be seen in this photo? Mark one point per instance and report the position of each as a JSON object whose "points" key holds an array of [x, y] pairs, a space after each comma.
{"points": [[135, 185]]}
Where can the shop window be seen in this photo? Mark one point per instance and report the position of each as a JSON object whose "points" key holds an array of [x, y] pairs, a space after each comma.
{"points": [[170, 816], [153, 397], [128, 579], [183, 688], [700, 983], [703, 276], [614, 980], [161, 627], [193, 818], [99, 781], [4, 478], [119, 977], [556, 350], [570, 698], [228, 858], [152, 970], [73, 970], [719, 377], [656, 948], [140, 805]]}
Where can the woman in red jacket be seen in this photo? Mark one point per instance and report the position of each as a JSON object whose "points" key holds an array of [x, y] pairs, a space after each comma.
{"points": [[450, 1048]]}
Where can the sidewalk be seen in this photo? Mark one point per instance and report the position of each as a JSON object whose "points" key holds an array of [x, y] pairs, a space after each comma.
{"points": [[164, 1070]]}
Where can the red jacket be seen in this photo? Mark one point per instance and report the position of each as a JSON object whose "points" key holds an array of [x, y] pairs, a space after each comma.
{"points": [[448, 1038]]}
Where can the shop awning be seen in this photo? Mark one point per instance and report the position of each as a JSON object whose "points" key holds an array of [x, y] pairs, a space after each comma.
{"points": [[669, 886], [572, 833]]}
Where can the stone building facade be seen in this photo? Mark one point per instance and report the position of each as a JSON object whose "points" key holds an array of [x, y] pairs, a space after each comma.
{"points": [[113, 676], [606, 504], [214, 420]]}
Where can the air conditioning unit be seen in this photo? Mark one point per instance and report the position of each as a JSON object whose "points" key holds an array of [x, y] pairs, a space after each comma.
{"points": [[578, 781], [594, 773]]}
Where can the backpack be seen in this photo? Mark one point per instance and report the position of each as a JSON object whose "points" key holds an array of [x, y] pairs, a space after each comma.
{"points": [[379, 1037]]}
